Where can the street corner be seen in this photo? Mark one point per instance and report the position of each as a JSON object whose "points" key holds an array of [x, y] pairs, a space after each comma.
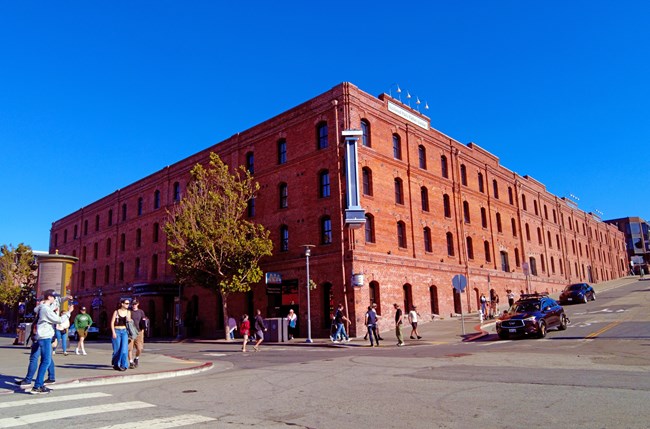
{"points": [[482, 331]]}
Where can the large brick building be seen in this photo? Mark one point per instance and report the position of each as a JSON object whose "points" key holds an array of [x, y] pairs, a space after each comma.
{"points": [[396, 206]]}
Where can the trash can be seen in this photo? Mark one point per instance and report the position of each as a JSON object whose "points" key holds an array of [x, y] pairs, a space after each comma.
{"points": [[277, 330], [22, 333]]}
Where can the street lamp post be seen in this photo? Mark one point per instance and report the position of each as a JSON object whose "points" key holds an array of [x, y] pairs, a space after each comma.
{"points": [[307, 255]]}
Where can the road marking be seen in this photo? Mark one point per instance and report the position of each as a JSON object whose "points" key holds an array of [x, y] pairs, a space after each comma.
{"points": [[492, 343], [51, 415], [51, 399], [162, 423], [602, 330], [216, 354]]}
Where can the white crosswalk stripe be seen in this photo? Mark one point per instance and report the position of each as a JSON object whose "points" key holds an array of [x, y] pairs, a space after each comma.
{"points": [[19, 413]]}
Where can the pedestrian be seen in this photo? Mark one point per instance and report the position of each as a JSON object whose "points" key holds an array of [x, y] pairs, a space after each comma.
{"points": [[82, 323], [398, 325], [371, 325], [232, 327], [121, 316], [61, 338], [137, 343], [292, 318], [245, 331], [374, 308], [413, 320], [483, 306], [45, 320], [260, 328], [511, 297], [339, 318]]}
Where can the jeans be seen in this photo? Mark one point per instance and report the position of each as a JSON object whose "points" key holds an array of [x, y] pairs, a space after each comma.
{"points": [[372, 330], [340, 330], [44, 351], [33, 365], [62, 338], [398, 334], [121, 349]]}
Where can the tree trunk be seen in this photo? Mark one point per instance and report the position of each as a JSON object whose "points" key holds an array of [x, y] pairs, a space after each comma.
{"points": [[224, 301]]}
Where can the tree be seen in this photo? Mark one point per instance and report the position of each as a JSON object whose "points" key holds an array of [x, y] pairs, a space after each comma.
{"points": [[17, 273], [211, 243]]}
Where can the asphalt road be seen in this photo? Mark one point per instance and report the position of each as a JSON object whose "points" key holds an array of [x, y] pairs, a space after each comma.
{"points": [[593, 375]]}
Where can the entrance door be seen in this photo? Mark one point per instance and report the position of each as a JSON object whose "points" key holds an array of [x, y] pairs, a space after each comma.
{"points": [[458, 309]]}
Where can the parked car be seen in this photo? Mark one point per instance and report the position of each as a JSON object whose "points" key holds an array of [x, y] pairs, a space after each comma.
{"points": [[578, 292], [93, 333], [532, 315]]}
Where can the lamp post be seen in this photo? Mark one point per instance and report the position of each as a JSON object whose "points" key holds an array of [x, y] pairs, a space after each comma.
{"points": [[307, 255]]}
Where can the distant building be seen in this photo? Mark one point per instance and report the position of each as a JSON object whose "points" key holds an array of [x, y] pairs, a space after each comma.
{"points": [[394, 208], [637, 241]]}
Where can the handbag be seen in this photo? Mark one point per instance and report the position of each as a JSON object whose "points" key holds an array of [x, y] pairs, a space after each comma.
{"points": [[131, 330]]}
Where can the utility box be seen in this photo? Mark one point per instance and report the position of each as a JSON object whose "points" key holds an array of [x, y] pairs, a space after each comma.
{"points": [[22, 333], [277, 330]]}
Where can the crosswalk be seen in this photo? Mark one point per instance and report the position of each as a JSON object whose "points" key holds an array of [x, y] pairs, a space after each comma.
{"points": [[48, 409]]}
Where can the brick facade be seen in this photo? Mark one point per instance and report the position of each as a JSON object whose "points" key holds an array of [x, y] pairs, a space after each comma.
{"points": [[484, 221]]}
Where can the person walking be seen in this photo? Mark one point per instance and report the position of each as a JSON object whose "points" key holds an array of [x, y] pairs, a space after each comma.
{"points": [[483, 300], [371, 325], [292, 319], [245, 329], [260, 328], [137, 343], [232, 327], [511, 297], [61, 338], [82, 322], [46, 318], [121, 315], [398, 325], [413, 320], [339, 318]]}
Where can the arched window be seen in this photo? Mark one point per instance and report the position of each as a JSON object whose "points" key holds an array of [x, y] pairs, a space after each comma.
{"points": [[517, 261], [138, 237], [366, 175], [428, 247], [324, 183], [156, 232], [495, 187], [156, 199], [370, 228], [107, 274], [250, 162], [481, 185], [444, 171], [321, 135], [397, 146], [177, 192], [123, 212], [140, 206], [365, 133], [374, 295], [470, 248], [282, 151], [110, 217], [122, 242], [463, 175], [511, 198], [499, 225], [422, 157], [513, 225], [399, 191], [450, 244], [424, 196], [284, 195], [154, 266], [284, 238], [523, 202], [484, 222], [466, 212], [401, 234], [108, 247], [488, 251], [446, 205], [527, 232], [326, 230]]}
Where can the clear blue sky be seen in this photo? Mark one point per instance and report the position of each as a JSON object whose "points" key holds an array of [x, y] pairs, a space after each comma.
{"points": [[96, 95]]}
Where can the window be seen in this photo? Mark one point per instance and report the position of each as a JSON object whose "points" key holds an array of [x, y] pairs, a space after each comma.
{"points": [[444, 171], [488, 252], [513, 225], [365, 133], [539, 235], [284, 238], [94, 280], [424, 196], [250, 162], [97, 223], [533, 266], [123, 212], [527, 232], [499, 226], [324, 184], [495, 187], [83, 279], [446, 205], [76, 232], [463, 175], [138, 237], [156, 199], [481, 186], [535, 206], [140, 205], [123, 242], [136, 270], [545, 212], [326, 230], [373, 293], [250, 208], [557, 239], [523, 202], [397, 147], [154, 266], [517, 261], [110, 217], [450, 244], [120, 271], [370, 228], [282, 151], [177, 192], [85, 228], [401, 234], [422, 157], [470, 248], [321, 135], [84, 254], [484, 222], [366, 174], [511, 198], [548, 236], [156, 232], [466, 212], [107, 274], [505, 264], [427, 240], [95, 250], [284, 196], [108, 247], [399, 194], [65, 236]]}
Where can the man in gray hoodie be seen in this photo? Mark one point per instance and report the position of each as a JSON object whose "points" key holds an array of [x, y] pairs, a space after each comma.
{"points": [[46, 319]]}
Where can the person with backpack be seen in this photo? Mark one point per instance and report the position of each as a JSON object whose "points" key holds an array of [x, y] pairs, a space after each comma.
{"points": [[339, 318], [140, 322], [260, 328], [371, 324]]}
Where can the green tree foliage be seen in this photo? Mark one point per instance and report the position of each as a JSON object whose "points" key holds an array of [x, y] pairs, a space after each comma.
{"points": [[211, 243], [17, 273]]}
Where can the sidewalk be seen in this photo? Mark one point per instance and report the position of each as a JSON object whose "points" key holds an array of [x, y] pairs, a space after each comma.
{"points": [[95, 368]]}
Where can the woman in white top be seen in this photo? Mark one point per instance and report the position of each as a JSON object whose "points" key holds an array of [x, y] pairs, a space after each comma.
{"points": [[413, 320]]}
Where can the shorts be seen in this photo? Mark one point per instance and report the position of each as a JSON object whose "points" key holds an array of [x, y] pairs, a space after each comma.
{"points": [[83, 333], [414, 325], [260, 335], [137, 343]]}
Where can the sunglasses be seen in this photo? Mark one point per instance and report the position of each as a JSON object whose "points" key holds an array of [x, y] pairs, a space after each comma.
{"points": [[126, 302]]}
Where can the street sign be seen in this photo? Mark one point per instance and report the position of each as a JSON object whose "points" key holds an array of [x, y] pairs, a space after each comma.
{"points": [[459, 282]]}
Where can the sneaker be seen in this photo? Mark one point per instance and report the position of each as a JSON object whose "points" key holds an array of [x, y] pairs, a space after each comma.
{"points": [[84, 353], [23, 383], [348, 340], [53, 352], [336, 341], [122, 368], [116, 368], [50, 381], [77, 350], [400, 344], [40, 390], [65, 353], [419, 338], [412, 337], [135, 362], [131, 366]]}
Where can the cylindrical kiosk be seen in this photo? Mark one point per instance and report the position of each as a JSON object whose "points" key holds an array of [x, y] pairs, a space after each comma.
{"points": [[55, 272]]}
